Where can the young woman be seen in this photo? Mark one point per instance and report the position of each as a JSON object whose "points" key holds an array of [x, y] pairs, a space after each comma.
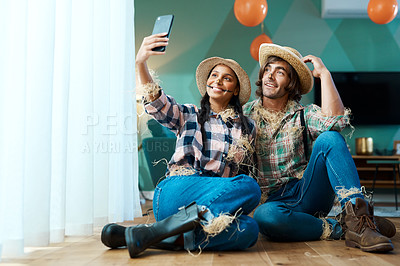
{"points": [[204, 200]]}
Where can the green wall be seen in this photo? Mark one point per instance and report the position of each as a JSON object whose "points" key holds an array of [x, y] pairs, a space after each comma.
{"points": [[209, 28]]}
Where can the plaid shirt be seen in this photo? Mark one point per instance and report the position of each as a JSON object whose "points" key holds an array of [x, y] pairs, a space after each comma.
{"points": [[280, 153], [208, 159]]}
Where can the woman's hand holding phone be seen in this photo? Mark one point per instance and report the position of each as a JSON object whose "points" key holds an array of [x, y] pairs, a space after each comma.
{"points": [[148, 44], [154, 44]]}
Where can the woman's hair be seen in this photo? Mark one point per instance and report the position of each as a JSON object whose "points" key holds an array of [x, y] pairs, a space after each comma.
{"points": [[294, 84], [204, 114]]}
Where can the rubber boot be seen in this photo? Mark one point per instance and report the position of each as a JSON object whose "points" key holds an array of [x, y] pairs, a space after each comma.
{"points": [[113, 236], [139, 238], [361, 229]]}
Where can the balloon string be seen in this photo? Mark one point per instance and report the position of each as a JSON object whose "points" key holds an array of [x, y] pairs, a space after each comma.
{"points": [[262, 27]]}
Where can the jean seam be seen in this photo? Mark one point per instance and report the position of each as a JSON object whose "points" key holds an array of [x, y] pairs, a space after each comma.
{"points": [[157, 201], [334, 172]]}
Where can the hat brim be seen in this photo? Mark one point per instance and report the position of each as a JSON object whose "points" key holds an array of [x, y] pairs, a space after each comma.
{"points": [[205, 67], [304, 73]]}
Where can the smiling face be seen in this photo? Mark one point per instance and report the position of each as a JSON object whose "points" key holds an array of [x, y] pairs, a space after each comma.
{"points": [[222, 84], [275, 80]]}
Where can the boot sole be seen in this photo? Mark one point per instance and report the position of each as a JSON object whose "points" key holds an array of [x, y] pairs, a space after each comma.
{"points": [[383, 247], [385, 227]]}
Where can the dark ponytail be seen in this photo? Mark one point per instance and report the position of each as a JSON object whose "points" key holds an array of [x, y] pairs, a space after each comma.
{"points": [[204, 114]]}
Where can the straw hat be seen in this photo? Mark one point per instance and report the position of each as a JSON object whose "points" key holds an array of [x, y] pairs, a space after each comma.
{"points": [[205, 67], [294, 58]]}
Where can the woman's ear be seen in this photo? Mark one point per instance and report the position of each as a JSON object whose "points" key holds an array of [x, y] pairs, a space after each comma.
{"points": [[236, 91]]}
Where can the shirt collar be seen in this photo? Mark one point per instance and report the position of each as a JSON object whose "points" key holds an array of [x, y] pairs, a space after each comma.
{"points": [[227, 113], [293, 106]]}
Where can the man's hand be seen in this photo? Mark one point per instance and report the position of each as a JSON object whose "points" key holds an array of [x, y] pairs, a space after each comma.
{"points": [[331, 103], [319, 67]]}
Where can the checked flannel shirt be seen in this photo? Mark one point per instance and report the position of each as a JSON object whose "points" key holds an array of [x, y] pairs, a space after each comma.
{"points": [[182, 119], [280, 153]]}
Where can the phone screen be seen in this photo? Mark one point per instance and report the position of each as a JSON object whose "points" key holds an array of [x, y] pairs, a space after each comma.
{"points": [[163, 24]]}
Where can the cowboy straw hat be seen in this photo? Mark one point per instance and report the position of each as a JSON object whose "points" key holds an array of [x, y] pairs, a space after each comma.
{"points": [[294, 58], [205, 67]]}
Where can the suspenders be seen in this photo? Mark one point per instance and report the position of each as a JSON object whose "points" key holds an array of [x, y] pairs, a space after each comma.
{"points": [[303, 124]]}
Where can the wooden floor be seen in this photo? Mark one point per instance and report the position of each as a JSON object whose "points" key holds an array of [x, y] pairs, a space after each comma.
{"points": [[90, 251]]}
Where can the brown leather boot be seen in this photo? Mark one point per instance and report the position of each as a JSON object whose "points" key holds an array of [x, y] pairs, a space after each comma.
{"points": [[361, 229], [384, 226]]}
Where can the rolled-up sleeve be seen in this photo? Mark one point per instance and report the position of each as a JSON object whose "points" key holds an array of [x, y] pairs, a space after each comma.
{"points": [[318, 122]]}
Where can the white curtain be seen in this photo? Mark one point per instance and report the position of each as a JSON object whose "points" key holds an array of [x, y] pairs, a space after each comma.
{"points": [[68, 138]]}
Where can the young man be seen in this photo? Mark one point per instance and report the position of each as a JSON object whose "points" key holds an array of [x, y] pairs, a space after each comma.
{"points": [[304, 163]]}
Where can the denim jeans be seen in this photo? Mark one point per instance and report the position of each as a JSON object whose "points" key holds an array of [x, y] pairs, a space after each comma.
{"points": [[218, 195], [291, 213]]}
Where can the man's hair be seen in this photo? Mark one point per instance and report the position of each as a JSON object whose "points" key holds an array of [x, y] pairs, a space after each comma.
{"points": [[294, 84]]}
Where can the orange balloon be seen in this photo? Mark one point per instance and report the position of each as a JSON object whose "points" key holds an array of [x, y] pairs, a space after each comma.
{"points": [[382, 11], [250, 12], [255, 44]]}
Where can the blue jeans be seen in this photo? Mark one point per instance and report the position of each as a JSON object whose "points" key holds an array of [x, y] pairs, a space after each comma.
{"points": [[218, 195], [291, 213]]}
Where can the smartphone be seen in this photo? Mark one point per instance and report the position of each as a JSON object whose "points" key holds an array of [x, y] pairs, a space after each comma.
{"points": [[163, 24]]}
